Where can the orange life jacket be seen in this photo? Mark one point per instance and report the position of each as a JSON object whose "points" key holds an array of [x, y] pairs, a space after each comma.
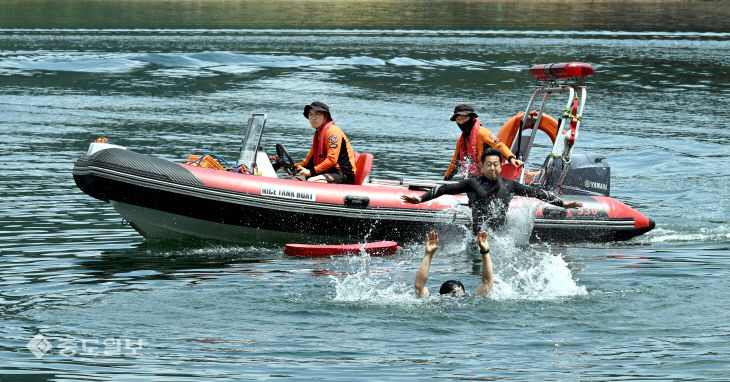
{"points": [[484, 136], [326, 153]]}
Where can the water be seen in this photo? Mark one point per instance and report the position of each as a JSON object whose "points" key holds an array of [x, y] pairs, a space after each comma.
{"points": [[651, 308]]}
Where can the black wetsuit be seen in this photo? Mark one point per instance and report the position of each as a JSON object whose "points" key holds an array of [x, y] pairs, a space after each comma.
{"points": [[489, 200]]}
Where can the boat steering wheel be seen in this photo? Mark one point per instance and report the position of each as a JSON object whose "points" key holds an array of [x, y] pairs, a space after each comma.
{"points": [[288, 162]]}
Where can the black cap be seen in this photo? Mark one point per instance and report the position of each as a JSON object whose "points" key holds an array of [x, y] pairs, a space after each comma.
{"points": [[319, 106], [463, 109]]}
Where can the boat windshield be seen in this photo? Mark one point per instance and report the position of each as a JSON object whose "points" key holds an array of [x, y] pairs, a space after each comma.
{"points": [[251, 141]]}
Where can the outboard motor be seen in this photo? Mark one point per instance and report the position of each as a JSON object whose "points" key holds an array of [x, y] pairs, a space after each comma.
{"points": [[589, 174]]}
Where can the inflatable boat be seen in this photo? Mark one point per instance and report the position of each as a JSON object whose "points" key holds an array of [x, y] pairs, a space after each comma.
{"points": [[250, 202]]}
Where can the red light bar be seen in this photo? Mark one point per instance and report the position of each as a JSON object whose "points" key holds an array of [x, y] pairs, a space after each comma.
{"points": [[563, 70]]}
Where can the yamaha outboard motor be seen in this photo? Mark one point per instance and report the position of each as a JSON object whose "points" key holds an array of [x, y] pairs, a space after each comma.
{"points": [[589, 174]]}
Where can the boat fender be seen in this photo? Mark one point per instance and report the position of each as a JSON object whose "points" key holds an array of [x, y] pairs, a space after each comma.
{"points": [[357, 201]]}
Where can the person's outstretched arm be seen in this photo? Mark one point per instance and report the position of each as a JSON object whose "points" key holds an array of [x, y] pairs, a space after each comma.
{"points": [[459, 187], [432, 244], [544, 195], [487, 271]]}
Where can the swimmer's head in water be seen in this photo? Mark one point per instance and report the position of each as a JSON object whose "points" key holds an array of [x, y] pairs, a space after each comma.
{"points": [[452, 288]]}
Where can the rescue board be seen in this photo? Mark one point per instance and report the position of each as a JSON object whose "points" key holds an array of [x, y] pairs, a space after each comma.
{"points": [[379, 248]]}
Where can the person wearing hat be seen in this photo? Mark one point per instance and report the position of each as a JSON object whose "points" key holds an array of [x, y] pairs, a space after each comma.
{"points": [[331, 158], [471, 143]]}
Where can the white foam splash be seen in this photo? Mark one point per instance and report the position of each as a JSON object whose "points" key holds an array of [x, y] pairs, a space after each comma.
{"points": [[521, 220], [662, 235], [373, 287], [520, 273], [529, 274], [532, 275]]}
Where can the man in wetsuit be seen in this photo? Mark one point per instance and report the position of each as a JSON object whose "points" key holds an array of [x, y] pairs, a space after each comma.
{"points": [[453, 287], [470, 145], [331, 158], [490, 194]]}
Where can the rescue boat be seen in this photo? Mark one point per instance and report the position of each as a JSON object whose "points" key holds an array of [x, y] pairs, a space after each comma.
{"points": [[250, 202]]}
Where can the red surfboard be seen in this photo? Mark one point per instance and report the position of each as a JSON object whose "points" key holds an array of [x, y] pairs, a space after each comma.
{"points": [[379, 248]]}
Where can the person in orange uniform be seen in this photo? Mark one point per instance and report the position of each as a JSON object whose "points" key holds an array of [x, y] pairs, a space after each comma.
{"points": [[331, 158], [471, 144]]}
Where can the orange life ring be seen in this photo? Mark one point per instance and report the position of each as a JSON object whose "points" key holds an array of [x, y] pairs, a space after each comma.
{"points": [[509, 129]]}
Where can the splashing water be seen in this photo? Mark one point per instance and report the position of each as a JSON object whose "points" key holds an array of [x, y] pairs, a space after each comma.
{"points": [[529, 274], [521, 272], [378, 287], [664, 235], [532, 275], [520, 221]]}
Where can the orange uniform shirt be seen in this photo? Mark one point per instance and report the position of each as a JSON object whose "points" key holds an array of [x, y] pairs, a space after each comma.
{"points": [[335, 142], [485, 136]]}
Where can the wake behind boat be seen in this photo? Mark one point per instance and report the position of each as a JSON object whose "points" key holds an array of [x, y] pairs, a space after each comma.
{"points": [[250, 203]]}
